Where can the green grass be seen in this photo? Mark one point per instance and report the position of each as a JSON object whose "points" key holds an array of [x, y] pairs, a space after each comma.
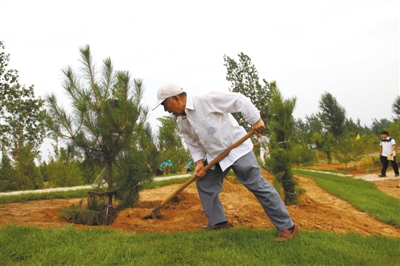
{"points": [[165, 183], [43, 196], [21, 245], [360, 193], [329, 170]]}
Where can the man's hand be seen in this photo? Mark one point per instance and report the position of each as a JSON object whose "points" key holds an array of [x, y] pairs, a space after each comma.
{"points": [[258, 127], [198, 171]]}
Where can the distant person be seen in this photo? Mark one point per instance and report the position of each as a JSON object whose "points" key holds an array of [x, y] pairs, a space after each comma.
{"points": [[209, 128], [166, 167], [264, 152], [388, 149], [189, 166]]}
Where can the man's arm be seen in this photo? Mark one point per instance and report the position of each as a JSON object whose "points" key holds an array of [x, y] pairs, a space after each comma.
{"points": [[232, 102], [199, 165]]}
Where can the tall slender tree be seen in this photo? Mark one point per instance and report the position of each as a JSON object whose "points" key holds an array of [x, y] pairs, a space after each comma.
{"points": [[314, 124], [21, 113], [332, 115], [27, 169], [9, 179], [333, 118], [244, 79], [379, 125], [396, 107], [281, 127]]}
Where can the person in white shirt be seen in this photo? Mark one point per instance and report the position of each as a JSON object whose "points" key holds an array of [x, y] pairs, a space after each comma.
{"points": [[388, 147], [208, 129], [264, 151]]}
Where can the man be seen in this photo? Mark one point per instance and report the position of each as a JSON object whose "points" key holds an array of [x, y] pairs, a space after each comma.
{"points": [[189, 166], [388, 148], [166, 167], [264, 152], [208, 129]]}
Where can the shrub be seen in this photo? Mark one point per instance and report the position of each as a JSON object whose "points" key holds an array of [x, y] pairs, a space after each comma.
{"points": [[96, 212], [303, 155], [371, 163]]}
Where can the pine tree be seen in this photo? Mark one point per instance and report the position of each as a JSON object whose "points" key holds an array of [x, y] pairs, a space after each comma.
{"points": [[332, 115], [104, 125], [281, 127], [27, 170], [8, 175]]}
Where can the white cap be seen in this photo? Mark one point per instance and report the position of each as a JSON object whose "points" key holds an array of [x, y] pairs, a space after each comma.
{"points": [[167, 90]]}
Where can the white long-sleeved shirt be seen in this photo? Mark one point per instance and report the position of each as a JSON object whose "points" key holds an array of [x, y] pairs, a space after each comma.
{"points": [[209, 128], [263, 141]]}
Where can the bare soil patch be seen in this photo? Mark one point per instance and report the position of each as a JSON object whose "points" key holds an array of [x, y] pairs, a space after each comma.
{"points": [[389, 186], [318, 210]]}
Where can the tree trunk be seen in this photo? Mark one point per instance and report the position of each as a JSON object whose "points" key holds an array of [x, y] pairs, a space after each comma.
{"points": [[329, 157], [288, 184], [110, 194]]}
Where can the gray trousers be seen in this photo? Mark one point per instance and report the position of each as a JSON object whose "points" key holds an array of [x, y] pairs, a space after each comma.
{"points": [[248, 173]]}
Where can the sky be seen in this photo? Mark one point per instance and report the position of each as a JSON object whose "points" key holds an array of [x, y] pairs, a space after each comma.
{"points": [[347, 48]]}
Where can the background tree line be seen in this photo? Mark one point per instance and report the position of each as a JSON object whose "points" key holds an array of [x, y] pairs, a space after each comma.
{"points": [[104, 132]]}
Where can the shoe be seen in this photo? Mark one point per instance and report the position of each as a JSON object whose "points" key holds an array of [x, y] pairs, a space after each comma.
{"points": [[216, 226], [396, 175], [382, 175], [286, 234]]}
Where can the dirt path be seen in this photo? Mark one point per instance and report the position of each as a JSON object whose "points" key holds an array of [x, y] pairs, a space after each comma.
{"points": [[318, 210]]}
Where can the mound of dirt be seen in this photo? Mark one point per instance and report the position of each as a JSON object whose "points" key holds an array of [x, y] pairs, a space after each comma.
{"points": [[318, 210]]}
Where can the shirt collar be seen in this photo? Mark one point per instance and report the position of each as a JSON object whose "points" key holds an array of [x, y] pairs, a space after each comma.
{"points": [[189, 103]]}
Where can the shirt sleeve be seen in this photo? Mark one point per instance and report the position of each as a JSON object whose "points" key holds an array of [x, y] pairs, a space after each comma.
{"points": [[195, 147], [232, 102]]}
